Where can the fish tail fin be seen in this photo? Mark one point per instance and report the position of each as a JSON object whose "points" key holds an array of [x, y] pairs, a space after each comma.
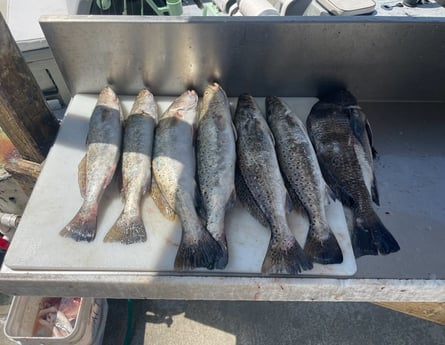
{"points": [[222, 260], [127, 229], [197, 249], [372, 237], [285, 256], [324, 250], [83, 226], [216, 229]]}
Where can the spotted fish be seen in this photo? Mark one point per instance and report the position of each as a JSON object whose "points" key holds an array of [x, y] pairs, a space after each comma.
{"points": [[174, 188], [262, 188], [303, 179], [136, 169], [215, 149], [97, 168]]}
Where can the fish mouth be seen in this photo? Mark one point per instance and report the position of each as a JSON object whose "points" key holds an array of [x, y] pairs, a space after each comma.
{"points": [[246, 101], [192, 94], [271, 103], [108, 98], [143, 103], [190, 101], [212, 89], [247, 110]]}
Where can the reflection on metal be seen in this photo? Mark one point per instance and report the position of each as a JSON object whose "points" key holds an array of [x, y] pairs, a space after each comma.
{"points": [[296, 56]]}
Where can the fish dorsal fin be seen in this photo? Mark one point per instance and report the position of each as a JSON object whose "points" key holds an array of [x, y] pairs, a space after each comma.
{"points": [[289, 204], [369, 133], [235, 134], [270, 135], [232, 200], [375, 191], [199, 205], [356, 123], [330, 193]]}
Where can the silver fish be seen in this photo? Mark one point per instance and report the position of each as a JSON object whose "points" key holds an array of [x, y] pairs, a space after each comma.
{"points": [[216, 155], [99, 164], [342, 139], [263, 186], [175, 188], [303, 178], [136, 169]]}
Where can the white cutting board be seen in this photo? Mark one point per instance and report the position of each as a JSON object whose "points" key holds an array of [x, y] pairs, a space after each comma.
{"points": [[56, 198]]}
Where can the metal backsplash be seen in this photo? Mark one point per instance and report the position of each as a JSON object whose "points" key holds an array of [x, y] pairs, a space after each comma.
{"points": [[376, 58]]}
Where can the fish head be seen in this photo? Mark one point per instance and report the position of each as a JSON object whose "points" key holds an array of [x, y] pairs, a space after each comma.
{"points": [[184, 107], [145, 104], [213, 94], [276, 109], [108, 98], [248, 116]]}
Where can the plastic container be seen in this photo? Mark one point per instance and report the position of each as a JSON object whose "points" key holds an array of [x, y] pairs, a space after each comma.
{"points": [[88, 329], [348, 7]]}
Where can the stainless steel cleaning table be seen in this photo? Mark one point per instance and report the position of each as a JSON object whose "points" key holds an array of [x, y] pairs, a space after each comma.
{"points": [[395, 67]]}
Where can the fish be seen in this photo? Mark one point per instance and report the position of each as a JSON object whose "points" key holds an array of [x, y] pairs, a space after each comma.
{"points": [[136, 169], [262, 188], [342, 139], [216, 155], [97, 167], [174, 168], [303, 179]]}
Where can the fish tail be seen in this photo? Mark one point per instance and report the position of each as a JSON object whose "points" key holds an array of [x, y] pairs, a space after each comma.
{"points": [[197, 250], [324, 250], [127, 229], [217, 232], [222, 260], [371, 237], [285, 257], [83, 226]]}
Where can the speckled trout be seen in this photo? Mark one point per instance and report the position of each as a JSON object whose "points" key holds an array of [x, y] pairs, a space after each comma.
{"points": [[262, 188], [174, 188], [215, 150], [303, 179], [136, 169], [99, 164]]}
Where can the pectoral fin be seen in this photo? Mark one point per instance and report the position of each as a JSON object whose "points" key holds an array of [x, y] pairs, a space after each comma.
{"points": [[82, 176], [375, 191], [161, 203], [369, 133]]}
